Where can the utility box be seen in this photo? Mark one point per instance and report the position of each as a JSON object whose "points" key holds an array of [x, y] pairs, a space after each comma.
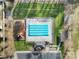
{"points": [[40, 30]]}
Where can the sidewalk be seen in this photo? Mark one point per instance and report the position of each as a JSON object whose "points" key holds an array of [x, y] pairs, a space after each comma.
{"points": [[77, 54]]}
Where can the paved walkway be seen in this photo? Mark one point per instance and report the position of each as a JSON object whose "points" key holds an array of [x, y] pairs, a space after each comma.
{"points": [[76, 31], [77, 54]]}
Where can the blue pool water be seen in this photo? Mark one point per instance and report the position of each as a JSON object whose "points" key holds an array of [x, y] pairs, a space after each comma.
{"points": [[38, 30]]}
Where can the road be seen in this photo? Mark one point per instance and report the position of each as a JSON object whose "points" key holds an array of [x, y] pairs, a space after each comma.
{"points": [[72, 44], [68, 44]]}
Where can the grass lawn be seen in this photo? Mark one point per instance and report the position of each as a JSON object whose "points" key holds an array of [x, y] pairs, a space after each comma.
{"points": [[23, 10], [22, 45]]}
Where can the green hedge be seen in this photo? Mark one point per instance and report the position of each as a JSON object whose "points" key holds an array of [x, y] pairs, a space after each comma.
{"points": [[58, 25]]}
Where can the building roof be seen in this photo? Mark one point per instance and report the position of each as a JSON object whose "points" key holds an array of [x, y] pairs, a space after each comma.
{"points": [[44, 55]]}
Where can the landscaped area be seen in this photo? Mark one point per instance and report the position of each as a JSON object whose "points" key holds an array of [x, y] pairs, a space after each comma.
{"points": [[23, 10]]}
